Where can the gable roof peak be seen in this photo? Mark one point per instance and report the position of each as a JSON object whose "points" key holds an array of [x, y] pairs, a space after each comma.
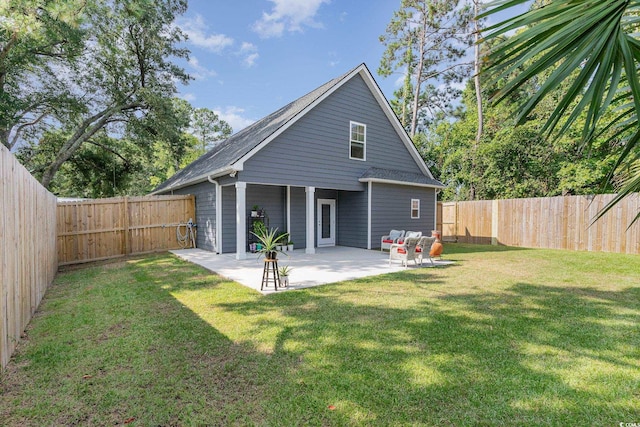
{"points": [[230, 154]]}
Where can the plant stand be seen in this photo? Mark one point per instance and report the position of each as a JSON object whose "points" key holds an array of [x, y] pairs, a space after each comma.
{"points": [[252, 240], [270, 272]]}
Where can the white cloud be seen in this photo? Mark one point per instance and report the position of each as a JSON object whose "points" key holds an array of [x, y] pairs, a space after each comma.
{"points": [[201, 72], [189, 97], [196, 29], [249, 53], [289, 15], [234, 116], [250, 60], [248, 47]]}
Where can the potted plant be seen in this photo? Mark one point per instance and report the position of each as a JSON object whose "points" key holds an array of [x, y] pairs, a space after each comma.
{"points": [[269, 241], [259, 228], [284, 275], [282, 242], [290, 245], [256, 212]]}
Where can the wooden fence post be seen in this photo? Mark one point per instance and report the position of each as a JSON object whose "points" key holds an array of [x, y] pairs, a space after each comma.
{"points": [[126, 225], [494, 222]]}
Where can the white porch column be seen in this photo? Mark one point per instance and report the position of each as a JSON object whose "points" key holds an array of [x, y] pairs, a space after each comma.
{"points": [[311, 223], [219, 218], [241, 220], [289, 210]]}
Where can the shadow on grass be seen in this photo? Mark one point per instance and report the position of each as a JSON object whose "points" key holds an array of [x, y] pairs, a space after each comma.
{"points": [[111, 345], [387, 350], [535, 354]]}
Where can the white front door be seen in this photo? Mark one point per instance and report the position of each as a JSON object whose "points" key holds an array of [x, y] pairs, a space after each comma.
{"points": [[326, 222]]}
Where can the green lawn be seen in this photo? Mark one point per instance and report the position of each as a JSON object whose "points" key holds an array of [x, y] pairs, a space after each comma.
{"points": [[503, 336]]}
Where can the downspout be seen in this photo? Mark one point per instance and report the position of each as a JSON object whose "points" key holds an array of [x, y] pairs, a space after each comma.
{"points": [[218, 247]]}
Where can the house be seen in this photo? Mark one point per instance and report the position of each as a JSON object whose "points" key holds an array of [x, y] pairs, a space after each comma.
{"points": [[334, 167]]}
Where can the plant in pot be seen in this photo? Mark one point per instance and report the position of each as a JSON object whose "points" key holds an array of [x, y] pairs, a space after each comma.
{"points": [[259, 228], [290, 245], [284, 275], [282, 242], [269, 241]]}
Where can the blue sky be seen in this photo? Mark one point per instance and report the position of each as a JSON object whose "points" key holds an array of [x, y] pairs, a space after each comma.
{"points": [[251, 57]]}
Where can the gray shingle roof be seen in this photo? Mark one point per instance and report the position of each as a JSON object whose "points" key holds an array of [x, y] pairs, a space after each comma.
{"points": [[235, 147], [391, 175]]}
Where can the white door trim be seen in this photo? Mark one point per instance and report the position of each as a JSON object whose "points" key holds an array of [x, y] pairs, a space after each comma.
{"points": [[331, 240]]}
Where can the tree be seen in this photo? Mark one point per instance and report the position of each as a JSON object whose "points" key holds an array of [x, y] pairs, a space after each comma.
{"points": [[427, 39], [591, 48], [37, 38], [133, 163], [208, 128], [511, 161], [127, 70], [478, 88], [121, 79]]}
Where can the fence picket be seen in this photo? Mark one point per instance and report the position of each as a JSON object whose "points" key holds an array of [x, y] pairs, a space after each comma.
{"points": [[111, 228], [28, 260], [562, 222]]}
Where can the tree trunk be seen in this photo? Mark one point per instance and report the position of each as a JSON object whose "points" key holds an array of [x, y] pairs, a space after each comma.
{"points": [[4, 138], [476, 81], [416, 92]]}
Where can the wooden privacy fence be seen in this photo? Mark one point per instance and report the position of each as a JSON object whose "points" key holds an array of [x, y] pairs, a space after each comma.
{"points": [[102, 229], [28, 261], [562, 222]]}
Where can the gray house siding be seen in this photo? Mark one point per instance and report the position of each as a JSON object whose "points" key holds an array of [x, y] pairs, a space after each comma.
{"points": [[228, 219], [298, 208], [272, 199], [315, 150], [205, 213], [391, 209], [352, 219]]}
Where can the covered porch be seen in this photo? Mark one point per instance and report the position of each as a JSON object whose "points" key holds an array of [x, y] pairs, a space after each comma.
{"points": [[314, 217], [327, 265]]}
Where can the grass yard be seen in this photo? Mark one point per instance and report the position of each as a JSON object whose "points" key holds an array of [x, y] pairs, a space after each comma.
{"points": [[504, 336]]}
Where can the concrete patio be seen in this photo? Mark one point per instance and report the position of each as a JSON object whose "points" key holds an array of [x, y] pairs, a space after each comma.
{"points": [[327, 265]]}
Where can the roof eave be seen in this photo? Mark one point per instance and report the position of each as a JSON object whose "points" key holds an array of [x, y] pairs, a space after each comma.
{"points": [[386, 107], [227, 170], [393, 181]]}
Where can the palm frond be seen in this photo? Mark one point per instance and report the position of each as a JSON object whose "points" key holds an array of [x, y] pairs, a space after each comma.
{"points": [[594, 57]]}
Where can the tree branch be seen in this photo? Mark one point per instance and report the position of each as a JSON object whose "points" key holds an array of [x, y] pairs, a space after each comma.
{"points": [[16, 135]]}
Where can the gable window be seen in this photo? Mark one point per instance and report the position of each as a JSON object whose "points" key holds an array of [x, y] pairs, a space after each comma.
{"points": [[415, 208], [358, 141]]}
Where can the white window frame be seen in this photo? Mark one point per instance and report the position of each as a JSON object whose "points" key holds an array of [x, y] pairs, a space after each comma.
{"points": [[417, 209], [352, 141]]}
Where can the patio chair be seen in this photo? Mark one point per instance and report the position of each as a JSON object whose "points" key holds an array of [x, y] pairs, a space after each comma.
{"points": [[405, 251], [391, 238], [423, 248], [410, 234]]}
